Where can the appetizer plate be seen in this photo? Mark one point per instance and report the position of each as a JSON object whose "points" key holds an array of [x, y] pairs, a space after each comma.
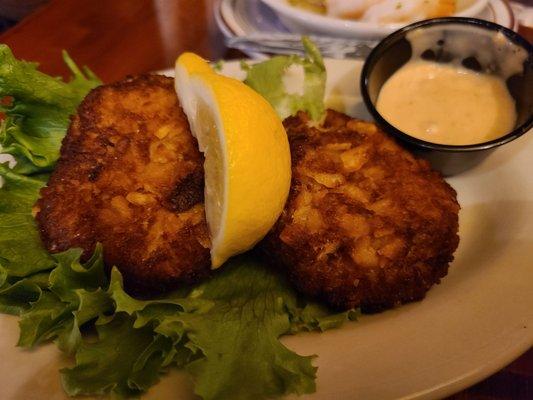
{"points": [[246, 17], [475, 322]]}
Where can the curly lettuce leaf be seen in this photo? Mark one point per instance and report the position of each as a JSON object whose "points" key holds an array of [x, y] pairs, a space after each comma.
{"points": [[266, 78], [17, 297], [71, 275], [73, 297], [37, 108], [21, 251], [19, 192], [249, 314], [32, 152], [231, 324], [123, 360], [51, 294]]}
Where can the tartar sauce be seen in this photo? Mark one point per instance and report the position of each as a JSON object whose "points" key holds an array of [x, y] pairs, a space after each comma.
{"points": [[444, 102], [447, 104]]}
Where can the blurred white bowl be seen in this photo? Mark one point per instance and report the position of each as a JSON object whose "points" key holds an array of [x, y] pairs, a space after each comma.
{"points": [[304, 21]]}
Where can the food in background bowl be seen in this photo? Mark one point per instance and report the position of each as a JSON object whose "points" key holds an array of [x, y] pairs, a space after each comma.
{"points": [[387, 11], [364, 19]]}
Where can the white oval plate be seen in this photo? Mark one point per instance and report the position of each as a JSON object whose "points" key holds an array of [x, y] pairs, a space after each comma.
{"points": [[474, 323], [246, 17]]}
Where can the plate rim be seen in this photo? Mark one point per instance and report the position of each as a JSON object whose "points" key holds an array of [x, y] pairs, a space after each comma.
{"points": [[225, 10]]}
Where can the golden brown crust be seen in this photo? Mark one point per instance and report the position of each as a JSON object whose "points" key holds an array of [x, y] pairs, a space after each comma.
{"points": [[366, 224], [131, 177]]}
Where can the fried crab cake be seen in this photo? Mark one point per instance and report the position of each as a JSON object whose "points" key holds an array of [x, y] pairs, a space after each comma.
{"points": [[130, 176], [366, 224]]}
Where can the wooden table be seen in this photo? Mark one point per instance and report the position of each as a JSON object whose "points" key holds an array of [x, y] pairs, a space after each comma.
{"points": [[122, 37]]}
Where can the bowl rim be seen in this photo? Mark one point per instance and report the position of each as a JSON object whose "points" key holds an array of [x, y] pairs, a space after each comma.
{"points": [[310, 18], [384, 45]]}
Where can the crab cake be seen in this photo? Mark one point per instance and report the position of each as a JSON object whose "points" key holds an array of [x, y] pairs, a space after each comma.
{"points": [[366, 224], [130, 176]]}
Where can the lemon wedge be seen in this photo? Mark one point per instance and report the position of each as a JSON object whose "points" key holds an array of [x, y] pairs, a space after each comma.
{"points": [[247, 158]]}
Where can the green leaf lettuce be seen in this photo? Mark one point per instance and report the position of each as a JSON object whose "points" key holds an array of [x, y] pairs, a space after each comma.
{"points": [[267, 79], [37, 109]]}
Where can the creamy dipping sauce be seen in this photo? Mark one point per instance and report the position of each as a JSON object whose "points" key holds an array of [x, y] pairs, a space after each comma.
{"points": [[447, 104], [442, 101]]}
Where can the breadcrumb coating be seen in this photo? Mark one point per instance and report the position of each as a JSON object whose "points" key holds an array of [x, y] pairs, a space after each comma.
{"points": [[366, 223], [131, 177]]}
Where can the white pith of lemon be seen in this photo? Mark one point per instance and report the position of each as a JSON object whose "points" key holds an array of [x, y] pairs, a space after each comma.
{"points": [[247, 158]]}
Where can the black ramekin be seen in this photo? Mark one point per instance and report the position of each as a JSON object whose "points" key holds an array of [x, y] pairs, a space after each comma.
{"points": [[394, 51]]}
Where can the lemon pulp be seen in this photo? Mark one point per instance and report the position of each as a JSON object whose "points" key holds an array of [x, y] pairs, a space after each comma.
{"points": [[247, 158]]}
